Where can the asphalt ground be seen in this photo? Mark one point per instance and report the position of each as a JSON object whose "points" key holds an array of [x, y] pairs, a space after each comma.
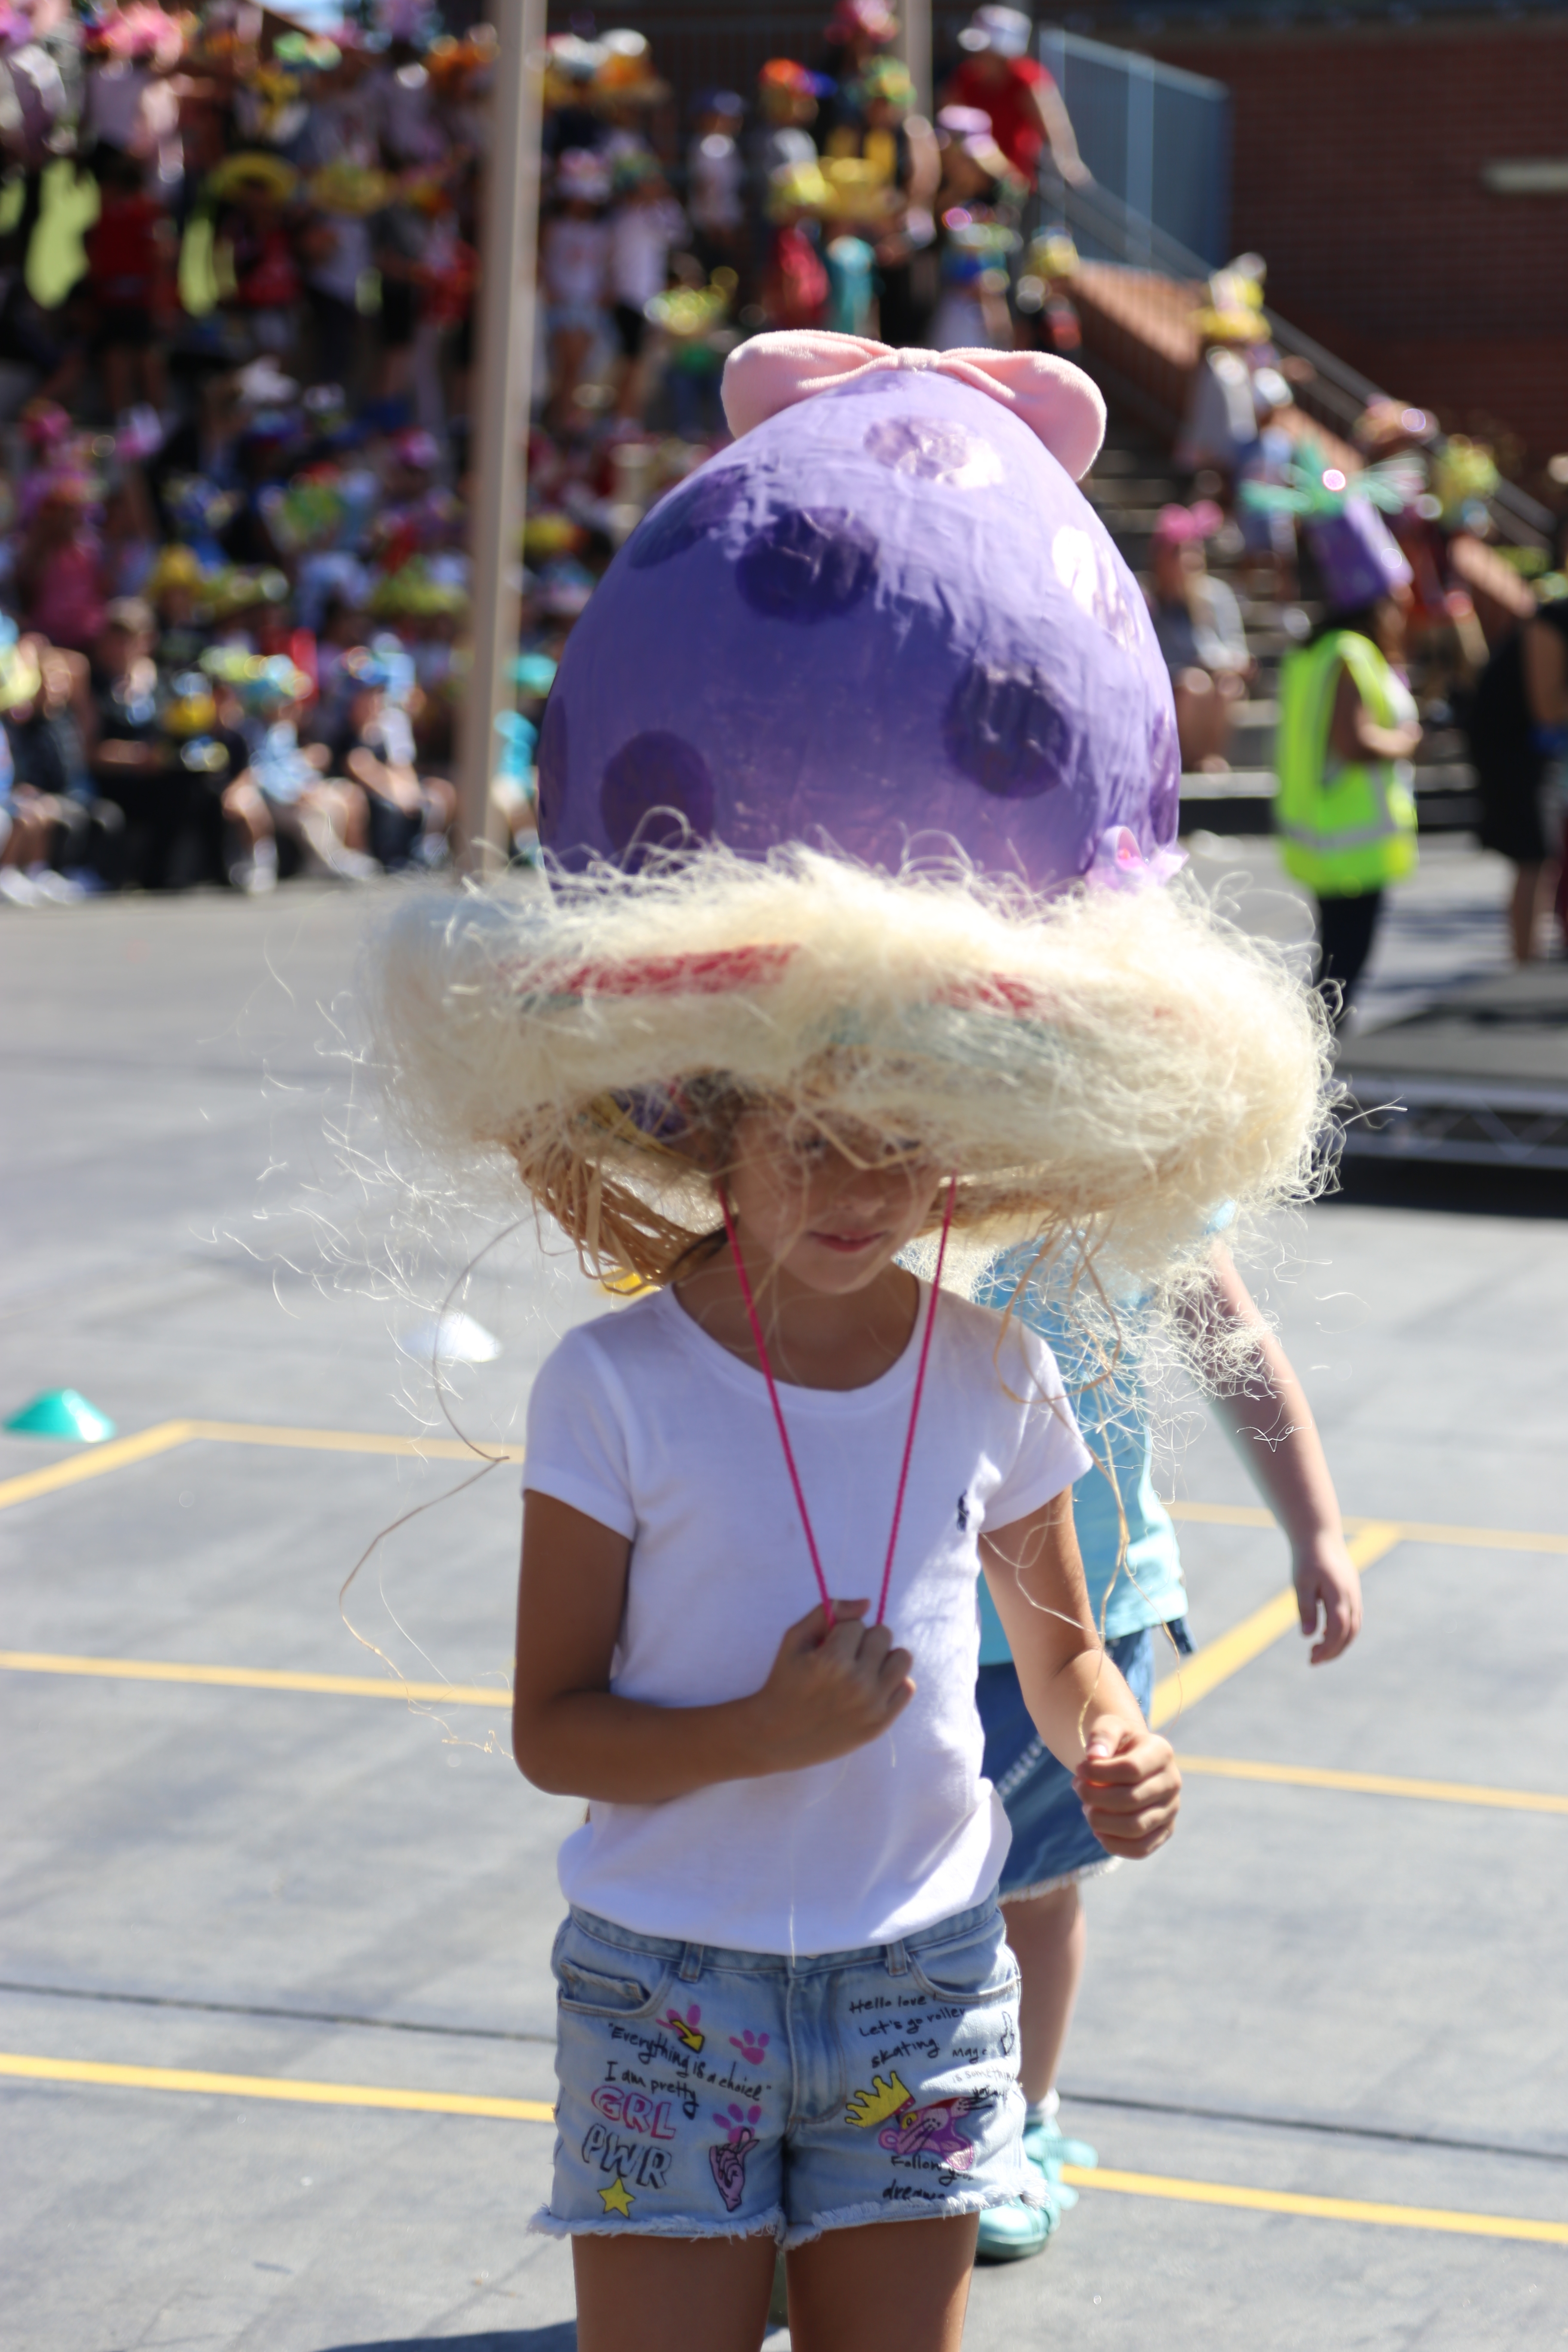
{"points": [[1322, 1991]]}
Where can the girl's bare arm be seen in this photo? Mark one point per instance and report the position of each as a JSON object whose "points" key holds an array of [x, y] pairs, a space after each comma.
{"points": [[1354, 734], [1545, 674], [1125, 1774], [829, 1691], [1271, 1425]]}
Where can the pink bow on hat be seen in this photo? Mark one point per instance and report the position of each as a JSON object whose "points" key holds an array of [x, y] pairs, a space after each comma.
{"points": [[1060, 404]]}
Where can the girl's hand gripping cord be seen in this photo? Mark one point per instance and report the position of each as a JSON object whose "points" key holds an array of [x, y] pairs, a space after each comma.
{"points": [[830, 1691], [827, 1692]]}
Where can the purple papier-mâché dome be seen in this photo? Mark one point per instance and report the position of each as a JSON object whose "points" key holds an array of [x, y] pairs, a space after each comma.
{"points": [[883, 622]]}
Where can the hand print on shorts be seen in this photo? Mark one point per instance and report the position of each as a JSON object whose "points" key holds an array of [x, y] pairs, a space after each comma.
{"points": [[749, 2045], [728, 2160], [685, 2027]]}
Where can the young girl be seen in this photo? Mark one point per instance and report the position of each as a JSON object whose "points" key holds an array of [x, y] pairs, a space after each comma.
{"points": [[760, 1495], [781, 1868]]}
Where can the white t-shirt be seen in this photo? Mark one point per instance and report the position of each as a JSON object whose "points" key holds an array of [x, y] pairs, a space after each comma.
{"points": [[573, 258], [649, 1426], [715, 178], [641, 238]]}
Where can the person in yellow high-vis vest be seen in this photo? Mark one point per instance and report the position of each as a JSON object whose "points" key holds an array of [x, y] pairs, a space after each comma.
{"points": [[1345, 812]]}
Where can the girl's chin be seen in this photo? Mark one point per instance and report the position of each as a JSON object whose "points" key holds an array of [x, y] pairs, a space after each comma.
{"points": [[822, 1267]]}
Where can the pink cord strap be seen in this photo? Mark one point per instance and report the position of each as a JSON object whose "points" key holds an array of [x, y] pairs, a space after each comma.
{"points": [[794, 1479]]}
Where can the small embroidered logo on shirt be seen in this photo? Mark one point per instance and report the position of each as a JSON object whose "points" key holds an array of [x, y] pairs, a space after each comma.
{"points": [[963, 1515]]}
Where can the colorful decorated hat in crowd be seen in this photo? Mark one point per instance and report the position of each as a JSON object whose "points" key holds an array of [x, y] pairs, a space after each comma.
{"points": [[1008, 32], [265, 683], [174, 566], [135, 32], [861, 20], [855, 777], [352, 190], [1341, 512], [253, 171], [1179, 526], [457, 64], [20, 677], [624, 74], [1463, 476], [886, 81]]}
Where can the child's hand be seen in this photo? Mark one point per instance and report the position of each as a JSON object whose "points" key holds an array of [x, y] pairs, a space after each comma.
{"points": [[831, 1692], [1325, 1574], [1129, 1786]]}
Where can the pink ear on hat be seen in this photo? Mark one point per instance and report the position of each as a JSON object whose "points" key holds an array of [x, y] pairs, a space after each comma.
{"points": [[1061, 405]]}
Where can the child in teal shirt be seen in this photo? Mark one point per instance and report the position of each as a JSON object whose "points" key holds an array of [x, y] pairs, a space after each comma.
{"points": [[1140, 1600]]}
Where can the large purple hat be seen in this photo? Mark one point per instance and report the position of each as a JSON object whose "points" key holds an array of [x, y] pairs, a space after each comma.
{"points": [[886, 620]]}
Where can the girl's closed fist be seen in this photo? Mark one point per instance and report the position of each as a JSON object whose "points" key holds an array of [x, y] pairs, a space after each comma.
{"points": [[831, 1689], [1130, 1788]]}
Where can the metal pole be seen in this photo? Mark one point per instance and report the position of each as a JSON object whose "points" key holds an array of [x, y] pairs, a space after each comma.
{"points": [[915, 42], [504, 378]]}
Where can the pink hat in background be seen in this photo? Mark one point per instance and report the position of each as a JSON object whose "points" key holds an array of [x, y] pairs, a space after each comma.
{"points": [[1177, 525]]}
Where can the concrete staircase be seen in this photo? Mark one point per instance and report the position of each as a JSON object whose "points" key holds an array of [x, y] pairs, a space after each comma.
{"points": [[1131, 480]]}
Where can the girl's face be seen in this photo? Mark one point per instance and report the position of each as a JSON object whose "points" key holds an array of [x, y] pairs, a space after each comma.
{"points": [[833, 1222]]}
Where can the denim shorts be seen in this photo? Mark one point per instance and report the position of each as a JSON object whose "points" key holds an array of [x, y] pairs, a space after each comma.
{"points": [[1052, 1842], [709, 2094]]}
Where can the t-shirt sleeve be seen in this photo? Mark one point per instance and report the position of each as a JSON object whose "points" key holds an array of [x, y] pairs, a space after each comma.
{"points": [[577, 1440], [1051, 1454]]}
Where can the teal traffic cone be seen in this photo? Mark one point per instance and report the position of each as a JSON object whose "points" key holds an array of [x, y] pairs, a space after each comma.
{"points": [[62, 1412]]}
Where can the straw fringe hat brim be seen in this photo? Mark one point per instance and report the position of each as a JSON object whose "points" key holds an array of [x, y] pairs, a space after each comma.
{"points": [[1118, 1058]]}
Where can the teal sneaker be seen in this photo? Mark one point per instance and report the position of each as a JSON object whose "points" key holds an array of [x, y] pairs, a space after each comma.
{"points": [[1011, 2233], [1049, 2149]]}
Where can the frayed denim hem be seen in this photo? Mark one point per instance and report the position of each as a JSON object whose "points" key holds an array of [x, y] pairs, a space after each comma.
{"points": [[547, 2224], [944, 2209], [1065, 1878]]}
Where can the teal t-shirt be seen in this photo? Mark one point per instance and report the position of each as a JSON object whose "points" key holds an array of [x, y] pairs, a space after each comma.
{"points": [[1114, 1419]]}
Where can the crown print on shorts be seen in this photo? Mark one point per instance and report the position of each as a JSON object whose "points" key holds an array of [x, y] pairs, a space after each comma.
{"points": [[882, 2100]]}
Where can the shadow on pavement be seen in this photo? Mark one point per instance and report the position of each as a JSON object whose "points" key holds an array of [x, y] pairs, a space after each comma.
{"points": [[562, 2337], [1371, 1181]]}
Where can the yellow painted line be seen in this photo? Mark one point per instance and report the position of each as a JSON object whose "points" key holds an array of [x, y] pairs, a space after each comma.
{"points": [[1219, 1660], [348, 1441], [1251, 1514], [95, 1460], [271, 2086], [1481, 1539], [95, 2073], [1223, 1515], [1220, 1767], [1319, 2209], [163, 1670], [1375, 1784]]}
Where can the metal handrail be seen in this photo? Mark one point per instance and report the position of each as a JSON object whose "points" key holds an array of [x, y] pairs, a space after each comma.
{"points": [[1343, 392]]}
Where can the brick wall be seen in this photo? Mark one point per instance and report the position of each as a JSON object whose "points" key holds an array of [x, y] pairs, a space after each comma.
{"points": [[1357, 175]]}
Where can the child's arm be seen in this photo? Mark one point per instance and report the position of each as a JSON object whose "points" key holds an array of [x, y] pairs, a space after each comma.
{"points": [[1270, 1423], [1125, 1774], [827, 1692]]}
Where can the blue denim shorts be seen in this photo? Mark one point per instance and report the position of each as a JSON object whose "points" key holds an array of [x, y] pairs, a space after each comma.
{"points": [[709, 2093], [1052, 1842]]}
